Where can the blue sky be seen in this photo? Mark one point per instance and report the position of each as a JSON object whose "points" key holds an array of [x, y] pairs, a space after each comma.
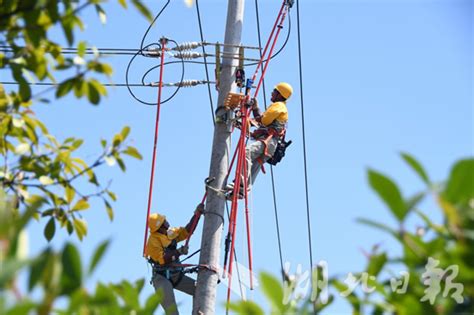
{"points": [[380, 78]]}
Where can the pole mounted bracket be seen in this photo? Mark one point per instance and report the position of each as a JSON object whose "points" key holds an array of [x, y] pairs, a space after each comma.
{"points": [[289, 3]]}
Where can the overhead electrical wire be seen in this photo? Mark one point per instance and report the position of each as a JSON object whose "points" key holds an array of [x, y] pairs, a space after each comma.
{"points": [[205, 62], [280, 49], [57, 84], [152, 23], [308, 215], [140, 52], [88, 51], [271, 167]]}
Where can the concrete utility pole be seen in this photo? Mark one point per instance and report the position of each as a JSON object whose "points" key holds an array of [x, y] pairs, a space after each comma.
{"points": [[205, 296]]}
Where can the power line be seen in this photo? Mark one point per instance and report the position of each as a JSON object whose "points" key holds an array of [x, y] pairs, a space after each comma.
{"points": [[205, 62], [271, 167], [300, 63], [57, 84], [87, 51], [152, 23]]}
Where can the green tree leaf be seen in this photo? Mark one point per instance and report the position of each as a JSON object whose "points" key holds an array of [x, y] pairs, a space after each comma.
{"points": [[128, 294], [133, 152], [376, 263], [389, 193], [110, 211], [70, 194], [412, 202], [246, 308], [125, 132], [417, 167], [80, 226], [93, 94], [273, 290], [50, 229], [460, 186], [98, 255], [81, 48], [101, 13], [152, 304], [64, 88], [123, 3], [37, 268], [82, 204], [143, 9], [71, 278]]}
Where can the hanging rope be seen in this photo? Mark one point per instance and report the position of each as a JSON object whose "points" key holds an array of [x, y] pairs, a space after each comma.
{"points": [[241, 159], [158, 107]]}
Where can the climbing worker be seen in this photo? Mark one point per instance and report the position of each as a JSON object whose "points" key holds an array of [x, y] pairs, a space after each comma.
{"points": [[162, 252], [271, 127]]}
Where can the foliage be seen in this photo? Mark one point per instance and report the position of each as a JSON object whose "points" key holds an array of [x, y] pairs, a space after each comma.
{"points": [[450, 244], [380, 290], [58, 274], [43, 177], [36, 165]]}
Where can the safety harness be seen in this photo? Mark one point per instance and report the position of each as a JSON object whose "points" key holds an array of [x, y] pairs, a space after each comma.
{"points": [[169, 271]]}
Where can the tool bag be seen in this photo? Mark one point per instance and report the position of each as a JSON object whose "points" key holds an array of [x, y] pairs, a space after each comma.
{"points": [[279, 151]]}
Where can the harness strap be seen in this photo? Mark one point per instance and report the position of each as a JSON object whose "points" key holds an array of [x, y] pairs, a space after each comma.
{"points": [[270, 133], [262, 163]]}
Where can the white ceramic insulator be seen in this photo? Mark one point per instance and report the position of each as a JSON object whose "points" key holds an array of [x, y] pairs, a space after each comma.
{"points": [[187, 55], [187, 46]]}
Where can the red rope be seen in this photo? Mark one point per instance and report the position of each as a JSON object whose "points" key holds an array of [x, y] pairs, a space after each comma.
{"points": [[152, 175], [247, 221], [241, 160], [280, 25], [236, 191], [268, 42], [195, 222]]}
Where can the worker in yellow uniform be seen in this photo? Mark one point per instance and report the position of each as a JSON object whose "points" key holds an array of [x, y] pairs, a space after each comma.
{"points": [[163, 253], [272, 126]]}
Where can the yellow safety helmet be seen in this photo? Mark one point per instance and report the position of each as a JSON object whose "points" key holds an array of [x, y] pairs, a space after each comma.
{"points": [[284, 89], [155, 221]]}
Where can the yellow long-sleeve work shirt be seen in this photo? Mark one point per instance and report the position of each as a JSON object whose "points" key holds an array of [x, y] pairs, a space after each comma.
{"points": [[276, 111], [158, 242]]}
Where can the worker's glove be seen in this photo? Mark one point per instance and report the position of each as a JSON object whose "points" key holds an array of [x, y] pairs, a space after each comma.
{"points": [[183, 250], [199, 209], [253, 103]]}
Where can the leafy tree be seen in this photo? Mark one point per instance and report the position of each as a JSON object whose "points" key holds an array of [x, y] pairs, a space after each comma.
{"points": [[446, 247], [45, 178], [36, 165]]}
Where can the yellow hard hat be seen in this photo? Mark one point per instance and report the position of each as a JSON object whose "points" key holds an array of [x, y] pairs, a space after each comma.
{"points": [[284, 89], [155, 221]]}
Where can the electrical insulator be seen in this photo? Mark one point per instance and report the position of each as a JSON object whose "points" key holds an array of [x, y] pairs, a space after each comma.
{"points": [[184, 83], [187, 83], [187, 46], [187, 55], [154, 52]]}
